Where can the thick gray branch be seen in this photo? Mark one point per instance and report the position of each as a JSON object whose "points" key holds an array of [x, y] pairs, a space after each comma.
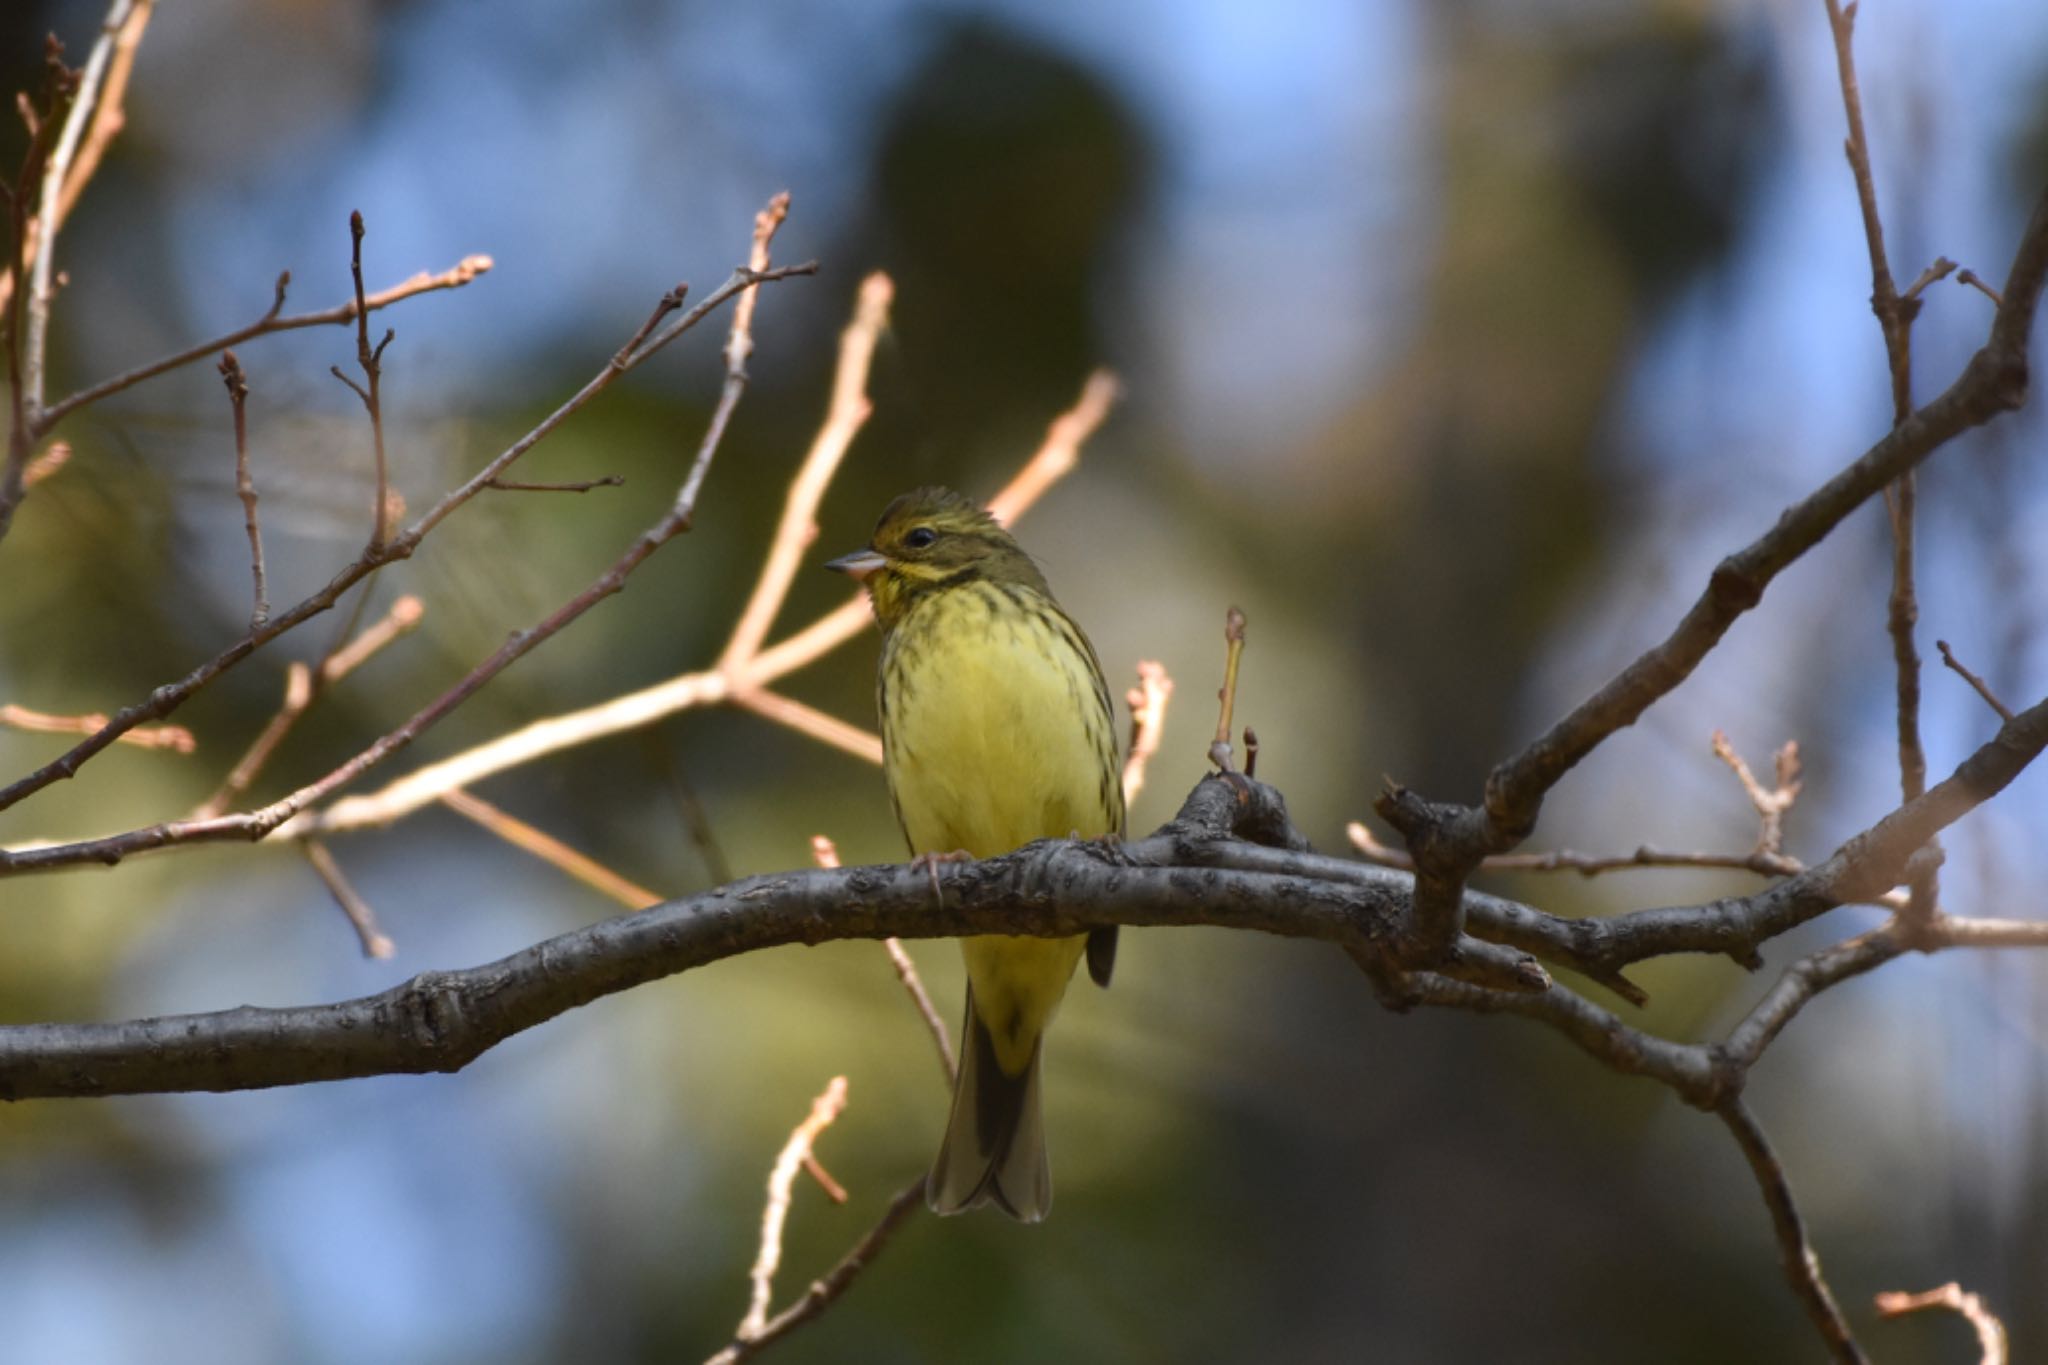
{"points": [[440, 1021]]}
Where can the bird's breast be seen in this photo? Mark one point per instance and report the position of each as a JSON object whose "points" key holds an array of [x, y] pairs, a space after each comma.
{"points": [[995, 727]]}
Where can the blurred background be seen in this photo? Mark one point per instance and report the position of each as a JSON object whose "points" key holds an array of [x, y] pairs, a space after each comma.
{"points": [[1459, 340]]}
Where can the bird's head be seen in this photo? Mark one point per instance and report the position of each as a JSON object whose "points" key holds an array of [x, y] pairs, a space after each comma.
{"points": [[929, 540]]}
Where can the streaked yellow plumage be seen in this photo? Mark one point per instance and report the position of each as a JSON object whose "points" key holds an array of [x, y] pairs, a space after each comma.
{"points": [[996, 730]]}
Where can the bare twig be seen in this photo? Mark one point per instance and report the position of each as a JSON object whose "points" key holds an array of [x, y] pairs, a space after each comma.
{"points": [[108, 117], [739, 345], [56, 172], [1895, 316], [1770, 805], [1976, 282], [827, 1289], [1148, 723], [815, 1169], [174, 737], [1802, 1265], [24, 333], [1991, 1340], [109, 114], [1226, 696], [46, 464], [1585, 864], [461, 273], [809, 720], [1941, 269], [781, 1179], [360, 917], [549, 849], [370, 359], [1804, 980], [1061, 449], [302, 685], [1983, 688], [844, 416], [245, 486], [405, 614]]}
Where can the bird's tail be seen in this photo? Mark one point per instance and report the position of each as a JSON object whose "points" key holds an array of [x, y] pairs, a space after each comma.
{"points": [[994, 1149]]}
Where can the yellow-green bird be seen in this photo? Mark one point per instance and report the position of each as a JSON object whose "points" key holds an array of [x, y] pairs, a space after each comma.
{"points": [[996, 730]]}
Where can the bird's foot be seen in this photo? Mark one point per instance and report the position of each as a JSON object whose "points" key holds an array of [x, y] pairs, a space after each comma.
{"points": [[930, 863]]}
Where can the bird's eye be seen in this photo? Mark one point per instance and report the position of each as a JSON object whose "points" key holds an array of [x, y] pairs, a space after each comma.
{"points": [[920, 537]]}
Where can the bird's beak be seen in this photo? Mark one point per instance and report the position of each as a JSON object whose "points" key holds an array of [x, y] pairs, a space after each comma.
{"points": [[858, 565]]}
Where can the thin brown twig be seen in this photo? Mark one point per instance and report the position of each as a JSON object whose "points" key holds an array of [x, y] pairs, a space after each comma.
{"points": [[461, 273], [245, 485], [1226, 696], [1960, 931], [1802, 1265], [826, 854], [913, 984], [46, 464], [1766, 859], [1585, 864], [173, 737], [549, 849], [1992, 1345], [815, 1169], [1941, 269], [23, 335], [301, 686], [405, 614], [56, 172], [739, 345], [360, 917], [809, 720], [1148, 702], [845, 414], [371, 361], [1895, 316], [1061, 449], [781, 1180], [827, 1289], [1884, 299], [1975, 281], [1983, 688], [1770, 805], [108, 117]]}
